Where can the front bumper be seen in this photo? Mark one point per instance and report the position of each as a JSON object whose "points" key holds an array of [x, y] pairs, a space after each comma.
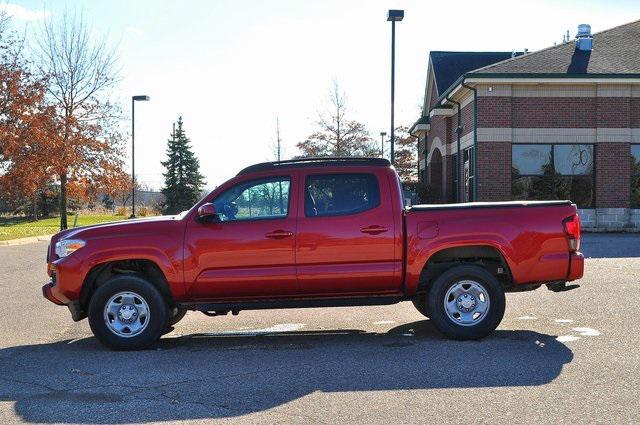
{"points": [[51, 292]]}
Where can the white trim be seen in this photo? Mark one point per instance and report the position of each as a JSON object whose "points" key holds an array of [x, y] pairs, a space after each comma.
{"points": [[421, 129], [441, 112], [559, 135], [558, 90], [466, 141], [565, 81], [445, 150]]}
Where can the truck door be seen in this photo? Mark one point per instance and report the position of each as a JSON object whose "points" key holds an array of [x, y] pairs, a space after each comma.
{"points": [[249, 251], [346, 235]]}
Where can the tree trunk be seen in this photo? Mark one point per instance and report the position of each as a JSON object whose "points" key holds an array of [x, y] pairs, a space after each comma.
{"points": [[43, 196], [35, 206], [63, 201]]}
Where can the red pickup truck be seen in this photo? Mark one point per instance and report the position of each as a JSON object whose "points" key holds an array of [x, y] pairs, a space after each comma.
{"points": [[312, 233]]}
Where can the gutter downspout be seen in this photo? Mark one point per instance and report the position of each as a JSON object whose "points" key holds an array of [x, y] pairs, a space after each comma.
{"points": [[475, 139], [459, 157]]}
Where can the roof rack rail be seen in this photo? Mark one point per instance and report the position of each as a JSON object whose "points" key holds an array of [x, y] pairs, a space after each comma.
{"points": [[316, 162]]}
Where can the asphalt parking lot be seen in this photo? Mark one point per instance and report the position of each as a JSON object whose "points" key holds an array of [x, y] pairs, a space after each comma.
{"points": [[558, 358]]}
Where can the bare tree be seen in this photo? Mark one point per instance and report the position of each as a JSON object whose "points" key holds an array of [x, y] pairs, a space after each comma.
{"points": [[337, 135], [80, 70]]}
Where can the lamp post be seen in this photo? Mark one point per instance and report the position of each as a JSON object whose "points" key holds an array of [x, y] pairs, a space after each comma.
{"points": [[393, 16], [141, 98], [382, 134]]}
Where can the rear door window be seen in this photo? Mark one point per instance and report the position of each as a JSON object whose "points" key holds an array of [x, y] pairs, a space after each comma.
{"points": [[340, 194]]}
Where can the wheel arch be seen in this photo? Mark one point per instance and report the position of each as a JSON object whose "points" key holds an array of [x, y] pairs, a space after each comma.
{"points": [[487, 256], [142, 267]]}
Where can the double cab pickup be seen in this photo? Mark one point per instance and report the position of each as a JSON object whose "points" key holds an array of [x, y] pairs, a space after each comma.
{"points": [[312, 233]]}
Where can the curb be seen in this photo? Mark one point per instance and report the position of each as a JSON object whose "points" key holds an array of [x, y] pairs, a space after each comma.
{"points": [[24, 241], [611, 230]]}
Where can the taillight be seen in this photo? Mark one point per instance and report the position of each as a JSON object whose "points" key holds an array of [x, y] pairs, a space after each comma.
{"points": [[572, 227]]}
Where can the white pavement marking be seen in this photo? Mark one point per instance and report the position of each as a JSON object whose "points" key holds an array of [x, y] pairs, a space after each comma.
{"points": [[567, 338], [587, 331], [564, 321], [280, 327], [527, 318], [384, 322]]}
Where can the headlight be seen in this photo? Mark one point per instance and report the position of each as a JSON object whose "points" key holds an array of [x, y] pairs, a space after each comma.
{"points": [[67, 246]]}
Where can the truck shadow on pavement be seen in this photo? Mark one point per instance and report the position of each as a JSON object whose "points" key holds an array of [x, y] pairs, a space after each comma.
{"points": [[226, 375]]}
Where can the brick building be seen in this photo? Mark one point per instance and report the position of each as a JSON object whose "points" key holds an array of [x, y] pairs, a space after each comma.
{"points": [[559, 123]]}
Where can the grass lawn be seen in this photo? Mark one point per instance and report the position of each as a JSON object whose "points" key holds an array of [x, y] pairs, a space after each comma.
{"points": [[21, 227]]}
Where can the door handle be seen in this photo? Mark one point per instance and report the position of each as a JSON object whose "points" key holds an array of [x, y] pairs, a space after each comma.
{"points": [[278, 234], [374, 230]]}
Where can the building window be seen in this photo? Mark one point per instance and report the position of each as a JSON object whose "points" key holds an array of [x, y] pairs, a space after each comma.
{"points": [[635, 176], [469, 174], [553, 172]]}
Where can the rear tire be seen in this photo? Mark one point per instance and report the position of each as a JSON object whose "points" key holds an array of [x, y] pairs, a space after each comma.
{"points": [[466, 302], [127, 313]]}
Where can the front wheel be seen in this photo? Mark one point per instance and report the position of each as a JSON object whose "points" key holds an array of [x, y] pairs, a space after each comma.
{"points": [[420, 303], [127, 313], [466, 302]]}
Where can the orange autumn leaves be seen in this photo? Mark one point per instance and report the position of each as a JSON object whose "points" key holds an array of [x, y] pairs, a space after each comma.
{"points": [[39, 142]]}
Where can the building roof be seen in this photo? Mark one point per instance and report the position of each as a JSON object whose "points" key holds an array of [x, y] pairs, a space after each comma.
{"points": [[615, 51], [422, 120], [449, 66]]}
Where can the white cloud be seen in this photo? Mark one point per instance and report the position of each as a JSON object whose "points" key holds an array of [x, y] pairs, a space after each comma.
{"points": [[134, 30], [19, 12]]}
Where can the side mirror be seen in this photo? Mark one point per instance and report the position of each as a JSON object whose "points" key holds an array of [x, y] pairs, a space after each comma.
{"points": [[207, 212]]}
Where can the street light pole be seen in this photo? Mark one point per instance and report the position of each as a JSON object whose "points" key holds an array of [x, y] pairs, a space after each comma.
{"points": [[133, 151], [382, 134], [393, 16]]}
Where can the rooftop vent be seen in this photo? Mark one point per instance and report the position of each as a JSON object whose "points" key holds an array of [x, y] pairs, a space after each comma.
{"points": [[584, 40]]}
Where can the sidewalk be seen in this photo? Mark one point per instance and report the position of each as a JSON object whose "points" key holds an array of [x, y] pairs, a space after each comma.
{"points": [[23, 241]]}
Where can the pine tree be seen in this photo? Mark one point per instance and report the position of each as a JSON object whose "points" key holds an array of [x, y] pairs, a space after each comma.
{"points": [[183, 182]]}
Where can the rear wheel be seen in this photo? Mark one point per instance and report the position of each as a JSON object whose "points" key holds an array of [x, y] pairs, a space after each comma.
{"points": [[466, 302], [127, 313]]}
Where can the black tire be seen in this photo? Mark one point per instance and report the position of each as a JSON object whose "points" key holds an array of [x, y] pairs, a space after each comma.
{"points": [[420, 303], [155, 320], [449, 326], [177, 316]]}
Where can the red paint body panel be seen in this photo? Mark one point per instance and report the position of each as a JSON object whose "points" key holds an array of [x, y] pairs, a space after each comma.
{"points": [[335, 257], [320, 256], [230, 260]]}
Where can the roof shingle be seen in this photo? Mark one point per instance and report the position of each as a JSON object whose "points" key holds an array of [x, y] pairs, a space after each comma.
{"points": [[615, 51]]}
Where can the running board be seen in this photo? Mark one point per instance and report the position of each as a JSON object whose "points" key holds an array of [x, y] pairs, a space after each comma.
{"points": [[235, 306]]}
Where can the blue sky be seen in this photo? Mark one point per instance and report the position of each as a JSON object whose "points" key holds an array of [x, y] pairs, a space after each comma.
{"points": [[231, 67]]}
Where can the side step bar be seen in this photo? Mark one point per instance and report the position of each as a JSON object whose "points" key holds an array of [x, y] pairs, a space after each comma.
{"points": [[222, 307]]}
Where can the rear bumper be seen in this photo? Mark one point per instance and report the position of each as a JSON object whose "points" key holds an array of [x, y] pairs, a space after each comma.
{"points": [[576, 266]]}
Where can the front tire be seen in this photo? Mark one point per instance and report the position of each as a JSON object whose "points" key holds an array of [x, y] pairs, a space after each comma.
{"points": [[176, 315], [127, 313], [466, 302], [420, 303]]}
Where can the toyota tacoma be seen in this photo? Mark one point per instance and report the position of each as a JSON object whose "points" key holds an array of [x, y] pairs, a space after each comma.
{"points": [[312, 233]]}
